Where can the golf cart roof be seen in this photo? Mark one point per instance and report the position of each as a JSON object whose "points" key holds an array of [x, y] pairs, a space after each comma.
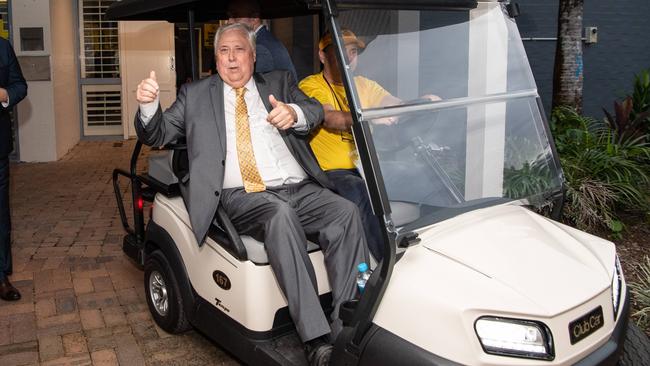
{"points": [[176, 10]]}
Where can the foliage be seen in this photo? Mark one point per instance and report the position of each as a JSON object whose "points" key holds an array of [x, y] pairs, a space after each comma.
{"points": [[533, 177], [641, 96], [641, 292], [631, 117], [604, 169]]}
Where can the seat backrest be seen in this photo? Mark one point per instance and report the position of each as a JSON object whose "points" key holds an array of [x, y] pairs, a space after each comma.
{"points": [[160, 167], [180, 163]]}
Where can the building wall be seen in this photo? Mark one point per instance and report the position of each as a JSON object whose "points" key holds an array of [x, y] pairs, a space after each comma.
{"points": [[49, 117], [36, 128], [623, 48], [64, 76]]}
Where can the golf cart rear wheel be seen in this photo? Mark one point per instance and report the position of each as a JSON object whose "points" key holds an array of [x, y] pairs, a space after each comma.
{"points": [[636, 349], [163, 294]]}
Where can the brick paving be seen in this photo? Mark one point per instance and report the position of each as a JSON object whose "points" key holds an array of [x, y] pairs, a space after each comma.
{"points": [[82, 299]]}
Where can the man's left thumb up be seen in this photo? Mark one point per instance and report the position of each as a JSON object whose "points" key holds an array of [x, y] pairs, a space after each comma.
{"points": [[274, 102]]}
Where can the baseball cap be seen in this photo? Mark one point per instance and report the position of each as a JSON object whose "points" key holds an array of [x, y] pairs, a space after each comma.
{"points": [[348, 38]]}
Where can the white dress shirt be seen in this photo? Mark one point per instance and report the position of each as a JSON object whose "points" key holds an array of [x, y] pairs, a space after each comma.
{"points": [[274, 160]]}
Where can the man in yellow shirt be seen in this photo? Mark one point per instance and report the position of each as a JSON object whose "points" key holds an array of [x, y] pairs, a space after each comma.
{"points": [[334, 147], [333, 143]]}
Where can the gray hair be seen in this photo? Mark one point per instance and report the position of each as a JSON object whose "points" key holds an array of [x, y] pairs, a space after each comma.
{"points": [[241, 27]]}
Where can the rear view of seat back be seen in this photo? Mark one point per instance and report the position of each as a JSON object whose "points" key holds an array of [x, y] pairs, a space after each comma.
{"points": [[160, 167]]}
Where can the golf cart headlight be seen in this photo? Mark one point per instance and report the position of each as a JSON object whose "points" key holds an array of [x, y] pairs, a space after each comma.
{"points": [[617, 283], [513, 337]]}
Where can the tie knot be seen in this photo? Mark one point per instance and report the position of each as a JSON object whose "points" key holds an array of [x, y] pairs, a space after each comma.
{"points": [[240, 91]]}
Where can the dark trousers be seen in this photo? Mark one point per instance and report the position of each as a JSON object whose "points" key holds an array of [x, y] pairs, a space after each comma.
{"points": [[282, 217], [351, 186], [5, 220]]}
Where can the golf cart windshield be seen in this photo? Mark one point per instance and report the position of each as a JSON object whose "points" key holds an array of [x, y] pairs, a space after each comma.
{"points": [[483, 141]]}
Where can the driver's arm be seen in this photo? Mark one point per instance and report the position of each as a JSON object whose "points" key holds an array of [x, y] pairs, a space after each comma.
{"points": [[336, 120], [389, 99]]}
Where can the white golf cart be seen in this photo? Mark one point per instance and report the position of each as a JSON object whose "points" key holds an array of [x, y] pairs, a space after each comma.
{"points": [[471, 275]]}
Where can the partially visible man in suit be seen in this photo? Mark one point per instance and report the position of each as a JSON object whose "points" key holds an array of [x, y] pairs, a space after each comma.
{"points": [[13, 89], [271, 53], [248, 152]]}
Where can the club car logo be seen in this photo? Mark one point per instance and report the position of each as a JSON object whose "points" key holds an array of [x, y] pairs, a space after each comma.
{"points": [[587, 324], [221, 279]]}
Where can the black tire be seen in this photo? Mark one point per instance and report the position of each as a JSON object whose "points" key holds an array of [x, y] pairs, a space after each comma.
{"points": [[160, 283], [637, 347]]}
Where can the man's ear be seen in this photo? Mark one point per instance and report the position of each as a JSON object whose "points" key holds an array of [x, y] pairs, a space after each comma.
{"points": [[321, 56]]}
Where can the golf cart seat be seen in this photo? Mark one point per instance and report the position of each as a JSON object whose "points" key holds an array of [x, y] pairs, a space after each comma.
{"points": [[166, 167]]}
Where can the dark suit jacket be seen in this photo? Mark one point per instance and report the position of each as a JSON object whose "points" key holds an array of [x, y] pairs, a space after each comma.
{"points": [[198, 115], [11, 78], [270, 54]]}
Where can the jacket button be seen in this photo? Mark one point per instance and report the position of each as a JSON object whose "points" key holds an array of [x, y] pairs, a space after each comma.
{"points": [[216, 193], [223, 162]]}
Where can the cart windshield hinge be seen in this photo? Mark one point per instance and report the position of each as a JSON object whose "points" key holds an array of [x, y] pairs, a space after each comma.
{"points": [[407, 239]]}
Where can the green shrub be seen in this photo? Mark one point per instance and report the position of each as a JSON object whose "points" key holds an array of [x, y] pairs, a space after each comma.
{"points": [[641, 98], [604, 170]]}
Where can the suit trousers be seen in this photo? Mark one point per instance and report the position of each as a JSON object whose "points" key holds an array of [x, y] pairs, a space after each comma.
{"points": [[350, 185], [282, 217], [5, 219]]}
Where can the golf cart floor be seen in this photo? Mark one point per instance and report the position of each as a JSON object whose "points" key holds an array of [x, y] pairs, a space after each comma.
{"points": [[286, 350]]}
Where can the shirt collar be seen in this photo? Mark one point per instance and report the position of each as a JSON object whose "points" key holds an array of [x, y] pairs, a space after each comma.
{"points": [[250, 87]]}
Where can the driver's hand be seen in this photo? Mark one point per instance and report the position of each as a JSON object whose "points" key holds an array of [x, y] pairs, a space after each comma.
{"points": [[432, 97], [386, 121]]}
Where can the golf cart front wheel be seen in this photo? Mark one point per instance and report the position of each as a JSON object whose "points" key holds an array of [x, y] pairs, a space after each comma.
{"points": [[163, 294], [636, 348]]}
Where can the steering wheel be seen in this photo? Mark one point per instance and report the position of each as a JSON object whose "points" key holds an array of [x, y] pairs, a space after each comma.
{"points": [[399, 135]]}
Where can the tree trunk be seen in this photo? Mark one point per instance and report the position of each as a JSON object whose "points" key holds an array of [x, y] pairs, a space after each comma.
{"points": [[568, 71]]}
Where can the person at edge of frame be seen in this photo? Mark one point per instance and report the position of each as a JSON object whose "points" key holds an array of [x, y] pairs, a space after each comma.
{"points": [[13, 89], [270, 52]]}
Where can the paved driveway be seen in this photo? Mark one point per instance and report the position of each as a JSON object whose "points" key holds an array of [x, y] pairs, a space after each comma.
{"points": [[83, 299]]}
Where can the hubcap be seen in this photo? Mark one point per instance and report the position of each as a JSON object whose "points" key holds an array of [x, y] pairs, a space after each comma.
{"points": [[158, 293]]}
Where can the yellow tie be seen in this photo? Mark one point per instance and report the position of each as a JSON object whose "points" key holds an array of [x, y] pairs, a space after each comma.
{"points": [[247, 166]]}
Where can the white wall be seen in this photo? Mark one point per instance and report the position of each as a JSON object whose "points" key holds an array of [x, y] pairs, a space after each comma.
{"points": [[36, 113], [64, 76], [145, 46], [48, 118]]}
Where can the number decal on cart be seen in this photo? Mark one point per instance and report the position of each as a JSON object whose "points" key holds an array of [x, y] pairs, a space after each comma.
{"points": [[221, 280]]}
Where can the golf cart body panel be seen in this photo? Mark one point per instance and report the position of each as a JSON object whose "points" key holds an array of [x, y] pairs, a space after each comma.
{"points": [[469, 276], [453, 182], [252, 296], [586, 269]]}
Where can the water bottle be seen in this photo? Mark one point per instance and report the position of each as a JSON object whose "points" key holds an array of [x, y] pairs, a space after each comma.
{"points": [[362, 276]]}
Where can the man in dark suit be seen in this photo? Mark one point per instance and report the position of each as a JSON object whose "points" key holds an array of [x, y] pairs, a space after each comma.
{"points": [[248, 152], [270, 52], [13, 89]]}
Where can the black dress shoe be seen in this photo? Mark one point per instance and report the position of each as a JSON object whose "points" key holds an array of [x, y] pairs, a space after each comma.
{"points": [[7, 291], [318, 353]]}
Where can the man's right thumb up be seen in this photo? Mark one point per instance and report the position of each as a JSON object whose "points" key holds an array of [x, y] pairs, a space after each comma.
{"points": [[152, 75]]}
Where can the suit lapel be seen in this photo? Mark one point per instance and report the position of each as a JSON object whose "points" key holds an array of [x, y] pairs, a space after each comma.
{"points": [[216, 97], [264, 90]]}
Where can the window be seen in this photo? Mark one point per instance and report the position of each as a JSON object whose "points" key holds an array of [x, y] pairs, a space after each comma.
{"points": [[100, 70], [99, 48]]}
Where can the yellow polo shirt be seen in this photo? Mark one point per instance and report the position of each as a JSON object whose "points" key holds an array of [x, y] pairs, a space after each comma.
{"points": [[332, 148]]}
